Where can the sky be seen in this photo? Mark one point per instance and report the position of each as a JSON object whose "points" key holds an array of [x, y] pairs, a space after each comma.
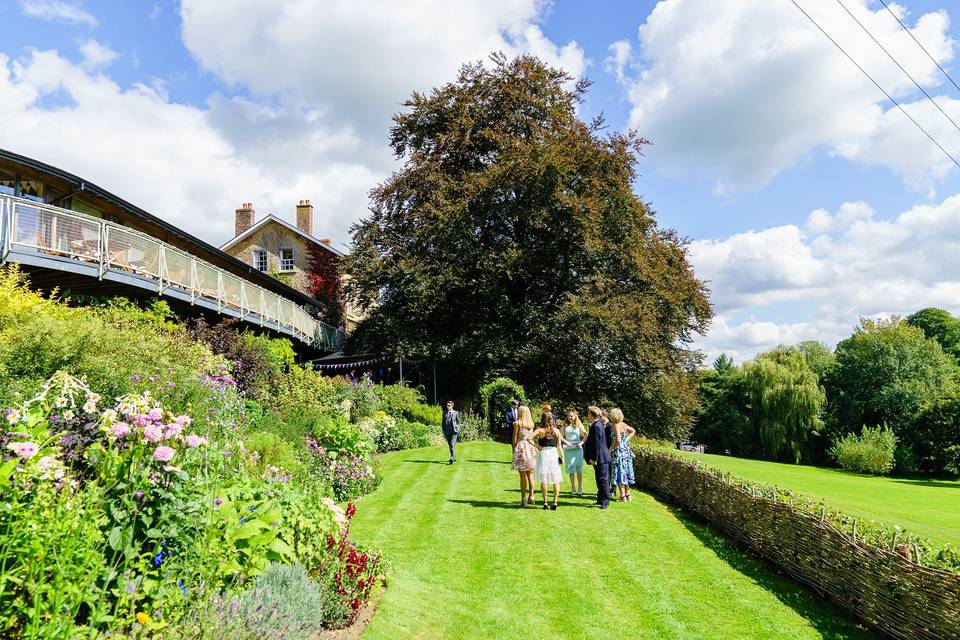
{"points": [[808, 198]]}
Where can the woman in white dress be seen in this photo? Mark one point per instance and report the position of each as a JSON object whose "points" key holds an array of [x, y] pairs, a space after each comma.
{"points": [[546, 438]]}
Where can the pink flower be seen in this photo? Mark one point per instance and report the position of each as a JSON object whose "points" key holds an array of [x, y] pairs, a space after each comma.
{"points": [[194, 441], [152, 433], [140, 419], [183, 421], [155, 414], [163, 454], [25, 450], [46, 463], [119, 429], [172, 430]]}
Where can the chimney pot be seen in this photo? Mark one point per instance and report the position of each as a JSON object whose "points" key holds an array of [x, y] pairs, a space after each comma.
{"points": [[305, 217], [243, 218]]}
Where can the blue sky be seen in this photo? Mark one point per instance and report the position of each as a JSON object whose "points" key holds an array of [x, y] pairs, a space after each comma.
{"points": [[808, 199]]}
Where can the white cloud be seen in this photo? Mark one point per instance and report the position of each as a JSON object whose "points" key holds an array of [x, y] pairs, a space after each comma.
{"points": [[167, 157], [319, 84], [745, 88], [838, 267], [356, 62], [96, 55], [616, 63], [57, 10]]}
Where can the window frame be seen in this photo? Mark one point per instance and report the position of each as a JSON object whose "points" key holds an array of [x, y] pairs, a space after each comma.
{"points": [[283, 260], [258, 253]]}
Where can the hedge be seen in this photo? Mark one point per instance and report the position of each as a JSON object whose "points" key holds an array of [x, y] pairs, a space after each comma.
{"points": [[900, 585]]}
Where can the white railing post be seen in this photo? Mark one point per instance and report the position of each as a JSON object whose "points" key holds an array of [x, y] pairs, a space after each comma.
{"points": [[219, 291], [103, 242], [161, 266], [193, 279], [4, 225], [263, 304]]}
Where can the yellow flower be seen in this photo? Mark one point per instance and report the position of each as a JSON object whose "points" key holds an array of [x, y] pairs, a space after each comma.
{"points": [[143, 618]]}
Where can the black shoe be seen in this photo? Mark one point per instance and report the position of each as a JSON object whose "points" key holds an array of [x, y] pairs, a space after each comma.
{"points": [[545, 506], [603, 506], [553, 507]]}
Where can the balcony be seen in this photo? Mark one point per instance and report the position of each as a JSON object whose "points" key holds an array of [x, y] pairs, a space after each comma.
{"points": [[49, 237]]}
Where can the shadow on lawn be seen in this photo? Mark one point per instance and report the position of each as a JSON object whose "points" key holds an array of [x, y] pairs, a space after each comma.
{"points": [[823, 616], [494, 504], [944, 484], [428, 461], [490, 461]]}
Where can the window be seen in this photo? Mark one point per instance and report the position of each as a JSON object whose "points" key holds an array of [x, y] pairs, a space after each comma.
{"points": [[286, 259], [260, 260]]}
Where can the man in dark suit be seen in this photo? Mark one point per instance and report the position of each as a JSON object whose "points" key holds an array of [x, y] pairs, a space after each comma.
{"points": [[451, 429], [509, 417], [608, 433], [597, 453]]}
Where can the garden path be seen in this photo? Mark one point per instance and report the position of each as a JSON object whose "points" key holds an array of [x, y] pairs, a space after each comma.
{"points": [[466, 562]]}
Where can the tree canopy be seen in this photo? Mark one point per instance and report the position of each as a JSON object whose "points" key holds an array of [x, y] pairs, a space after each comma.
{"points": [[511, 242]]}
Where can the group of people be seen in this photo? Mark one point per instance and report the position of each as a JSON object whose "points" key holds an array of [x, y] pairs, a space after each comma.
{"points": [[542, 451]]}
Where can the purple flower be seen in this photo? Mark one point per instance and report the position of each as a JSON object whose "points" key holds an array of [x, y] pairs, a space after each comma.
{"points": [[217, 501], [163, 454], [138, 494], [119, 429], [152, 433], [135, 377], [194, 441], [155, 414]]}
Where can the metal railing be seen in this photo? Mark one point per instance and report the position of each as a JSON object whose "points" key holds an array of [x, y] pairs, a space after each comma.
{"points": [[43, 229]]}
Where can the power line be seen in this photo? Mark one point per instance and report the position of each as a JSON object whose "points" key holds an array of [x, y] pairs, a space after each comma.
{"points": [[910, 33], [905, 72], [876, 84]]}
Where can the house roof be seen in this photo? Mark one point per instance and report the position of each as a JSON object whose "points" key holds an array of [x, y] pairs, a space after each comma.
{"points": [[178, 236], [293, 228]]}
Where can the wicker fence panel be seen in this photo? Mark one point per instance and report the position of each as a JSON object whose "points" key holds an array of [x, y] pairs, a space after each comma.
{"points": [[888, 592]]}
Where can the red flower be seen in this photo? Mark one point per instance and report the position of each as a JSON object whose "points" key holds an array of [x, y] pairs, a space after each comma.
{"points": [[351, 510]]}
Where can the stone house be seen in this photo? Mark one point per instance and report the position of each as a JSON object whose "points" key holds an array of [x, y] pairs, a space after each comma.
{"points": [[276, 247]]}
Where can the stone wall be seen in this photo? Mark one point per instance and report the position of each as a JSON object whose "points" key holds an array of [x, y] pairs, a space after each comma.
{"points": [[272, 237]]}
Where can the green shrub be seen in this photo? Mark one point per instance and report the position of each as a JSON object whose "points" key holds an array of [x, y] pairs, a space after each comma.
{"points": [[871, 452], [303, 389], [119, 347], [403, 434], [495, 397], [336, 433], [360, 398], [473, 428], [426, 414], [274, 451], [283, 603]]}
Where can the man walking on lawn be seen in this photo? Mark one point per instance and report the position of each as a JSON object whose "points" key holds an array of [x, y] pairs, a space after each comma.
{"points": [[451, 429], [597, 453]]}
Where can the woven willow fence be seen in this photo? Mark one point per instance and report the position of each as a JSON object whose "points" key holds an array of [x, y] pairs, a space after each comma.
{"points": [[879, 586]]}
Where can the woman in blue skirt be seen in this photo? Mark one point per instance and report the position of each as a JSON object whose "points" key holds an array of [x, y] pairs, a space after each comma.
{"points": [[573, 437], [622, 455]]}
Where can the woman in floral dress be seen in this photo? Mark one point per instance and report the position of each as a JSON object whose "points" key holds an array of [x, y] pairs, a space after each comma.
{"points": [[524, 454], [622, 455]]}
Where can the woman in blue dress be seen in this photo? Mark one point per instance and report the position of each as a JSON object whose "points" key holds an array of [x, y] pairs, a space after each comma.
{"points": [[574, 436], [622, 455]]}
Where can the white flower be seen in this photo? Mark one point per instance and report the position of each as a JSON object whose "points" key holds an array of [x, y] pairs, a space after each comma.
{"points": [[327, 502], [89, 407], [93, 397], [13, 416], [109, 415], [68, 414], [60, 402]]}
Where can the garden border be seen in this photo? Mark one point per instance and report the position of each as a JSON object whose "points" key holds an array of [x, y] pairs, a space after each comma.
{"points": [[881, 587]]}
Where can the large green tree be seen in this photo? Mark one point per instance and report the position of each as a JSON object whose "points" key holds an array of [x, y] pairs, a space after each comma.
{"points": [[939, 325], [511, 242], [785, 403], [888, 372]]}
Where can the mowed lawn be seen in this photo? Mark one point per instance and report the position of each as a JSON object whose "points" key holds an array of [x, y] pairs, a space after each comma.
{"points": [[930, 508], [466, 562]]}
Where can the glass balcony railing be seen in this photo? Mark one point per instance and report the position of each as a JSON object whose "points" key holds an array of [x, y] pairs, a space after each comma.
{"points": [[29, 227]]}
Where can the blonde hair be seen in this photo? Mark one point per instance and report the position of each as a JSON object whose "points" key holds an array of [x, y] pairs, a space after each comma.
{"points": [[576, 418], [524, 417], [594, 411], [616, 416]]}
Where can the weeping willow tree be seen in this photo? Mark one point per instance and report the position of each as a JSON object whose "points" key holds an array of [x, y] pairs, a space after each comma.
{"points": [[786, 399]]}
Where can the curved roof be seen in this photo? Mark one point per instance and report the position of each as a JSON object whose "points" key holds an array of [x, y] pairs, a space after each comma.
{"points": [[178, 236]]}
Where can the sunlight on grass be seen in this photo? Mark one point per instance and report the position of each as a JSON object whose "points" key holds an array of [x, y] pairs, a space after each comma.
{"points": [[466, 562]]}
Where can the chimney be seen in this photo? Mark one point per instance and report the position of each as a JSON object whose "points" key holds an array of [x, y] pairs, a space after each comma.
{"points": [[305, 217], [244, 218]]}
